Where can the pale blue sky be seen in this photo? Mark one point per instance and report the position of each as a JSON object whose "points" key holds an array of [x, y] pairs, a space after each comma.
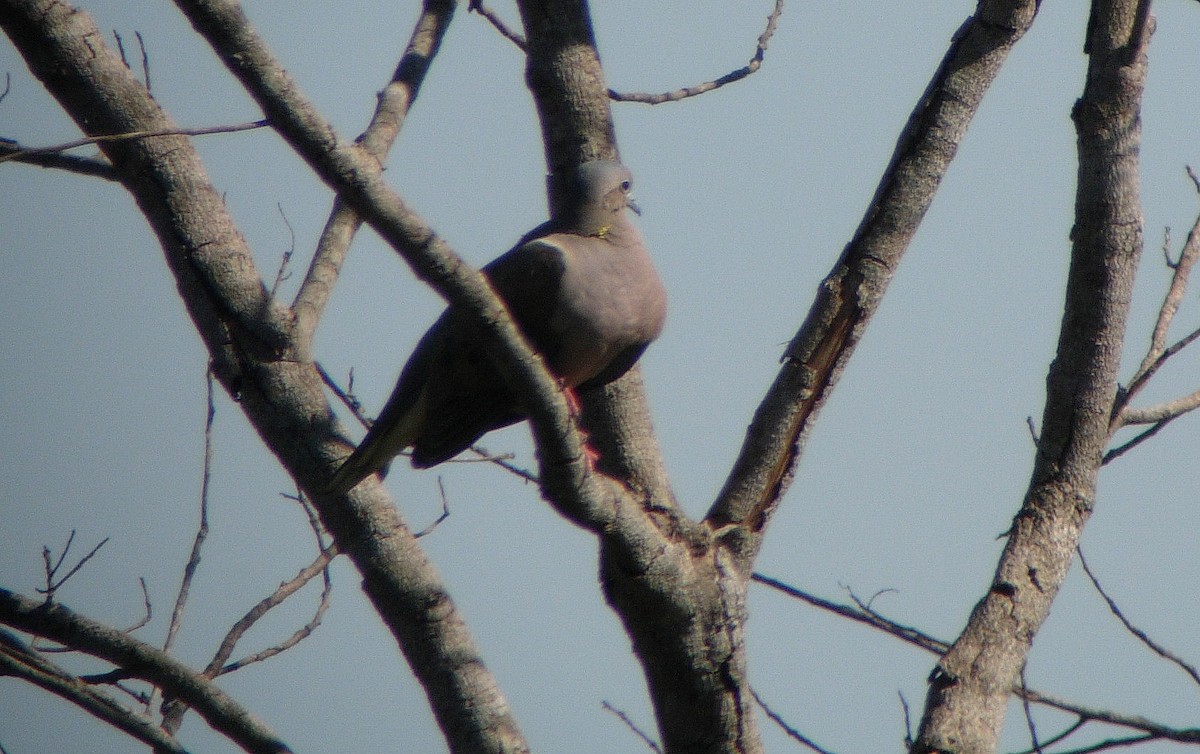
{"points": [[749, 194]]}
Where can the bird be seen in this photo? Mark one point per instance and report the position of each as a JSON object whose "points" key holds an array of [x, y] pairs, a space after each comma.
{"points": [[583, 290]]}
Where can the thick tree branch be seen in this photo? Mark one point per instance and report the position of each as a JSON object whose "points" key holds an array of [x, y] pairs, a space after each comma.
{"points": [[248, 337], [18, 660], [142, 661], [969, 689], [851, 292]]}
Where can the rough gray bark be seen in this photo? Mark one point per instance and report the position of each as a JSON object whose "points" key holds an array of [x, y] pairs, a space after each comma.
{"points": [[970, 687], [254, 353], [143, 661]]}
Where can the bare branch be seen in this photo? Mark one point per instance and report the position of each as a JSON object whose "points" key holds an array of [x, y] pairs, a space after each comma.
{"points": [[391, 110], [146, 616], [1158, 353], [1121, 450], [96, 167], [53, 584], [18, 660], [1141, 635], [792, 733], [320, 566], [282, 273], [477, 6], [650, 742], [852, 291], [1162, 412], [141, 661], [691, 91], [193, 562], [145, 60], [129, 136]]}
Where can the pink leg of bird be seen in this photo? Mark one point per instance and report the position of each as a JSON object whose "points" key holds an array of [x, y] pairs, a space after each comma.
{"points": [[589, 453]]}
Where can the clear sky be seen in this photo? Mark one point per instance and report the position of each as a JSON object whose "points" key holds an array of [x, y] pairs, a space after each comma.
{"points": [[749, 194]]}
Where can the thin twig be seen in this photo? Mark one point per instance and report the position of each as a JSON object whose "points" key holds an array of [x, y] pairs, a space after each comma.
{"points": [[146, 603], [650, 742], [53, 585], [96, 167], [445, 512], [320, 566], [789, 730], [1035, 746], [173, 710], [131, 135], [691, 91], [477, 6], [283, 274], [145, 60], [1141, 635]]}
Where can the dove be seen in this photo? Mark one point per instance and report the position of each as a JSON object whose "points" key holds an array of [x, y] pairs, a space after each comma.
{"points": [[583, 290]]}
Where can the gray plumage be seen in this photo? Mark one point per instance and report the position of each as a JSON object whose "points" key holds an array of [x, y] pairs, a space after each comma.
{"points": [[583, 290]]}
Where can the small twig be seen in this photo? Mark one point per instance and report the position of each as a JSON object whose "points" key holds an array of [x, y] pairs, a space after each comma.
{"points": [[1111, 743], [7, 85], [53, 585], [283, 274], [346, 396], [477, 6], [1141, 635], [908, 736], [691, 91], [789, 730], [650, 742], [504, 461], [132, 135], [1033, 433], [445, 512], [173, 712], [146, 603], [1035, 747], [1121, 450], [319, 566], [1073, 728], [120, 47], [145, 60], [96, 167]]}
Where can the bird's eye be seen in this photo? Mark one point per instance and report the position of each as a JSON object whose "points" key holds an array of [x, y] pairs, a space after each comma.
{"points": [[626, 185]]}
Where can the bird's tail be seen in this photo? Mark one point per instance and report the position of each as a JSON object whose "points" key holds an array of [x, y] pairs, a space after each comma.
{"points": [[395, 430]]}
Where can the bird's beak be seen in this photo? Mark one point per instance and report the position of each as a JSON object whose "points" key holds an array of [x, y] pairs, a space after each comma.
{"points": [[633, 206]]}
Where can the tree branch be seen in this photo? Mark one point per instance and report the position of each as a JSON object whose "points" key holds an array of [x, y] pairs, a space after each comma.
{"points": [[969, 689], [18, 660], [143, 661], [851, 292], [390, 112], [249, 339]]}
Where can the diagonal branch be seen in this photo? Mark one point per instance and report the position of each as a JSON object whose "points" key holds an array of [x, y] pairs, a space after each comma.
{"points": [[390, 112], [248, 336], [852, 291], [1141, 635], [96, 167], [143, 661], [20, 661]]}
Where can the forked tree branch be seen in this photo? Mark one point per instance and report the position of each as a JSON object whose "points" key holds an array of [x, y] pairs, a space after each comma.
{"points": [[18, 660], [249, 338], [140, 660]]}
